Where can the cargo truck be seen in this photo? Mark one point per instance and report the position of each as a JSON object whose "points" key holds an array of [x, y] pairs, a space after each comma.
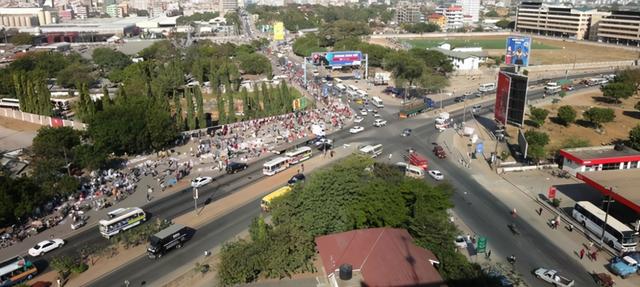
{"points": [[415, 107], [553, 277], [169, 238]]}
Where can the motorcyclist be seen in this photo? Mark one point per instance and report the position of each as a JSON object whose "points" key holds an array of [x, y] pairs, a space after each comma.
{"points": [[512, 259]]}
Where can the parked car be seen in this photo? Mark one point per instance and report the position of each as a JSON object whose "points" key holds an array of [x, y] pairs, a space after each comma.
{"points": [[296, 178], [460, 242], [406, 132], [500, 279], [356, 129], [201, 181], [436, 174], [45, 246], [358, 119], [623, 266], [234, 167], [459, 99], [379, 122]]}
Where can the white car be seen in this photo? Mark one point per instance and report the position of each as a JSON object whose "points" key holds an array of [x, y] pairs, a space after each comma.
{"points": [[358, 119], [201, 181], [379, 122], [460, 242], [45, 246], [363, 112], [356, 129], [436, 174], [376, 115]]}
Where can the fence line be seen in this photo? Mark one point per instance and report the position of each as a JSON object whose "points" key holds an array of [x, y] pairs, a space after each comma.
{"points": [[41, 120]]}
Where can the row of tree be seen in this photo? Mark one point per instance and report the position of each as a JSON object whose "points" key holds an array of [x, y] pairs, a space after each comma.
{"points": [[32, 92], [355, 193]]}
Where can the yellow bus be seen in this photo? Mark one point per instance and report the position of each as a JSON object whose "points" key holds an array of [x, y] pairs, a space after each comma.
{"points": [[16, 270], [266, 201]]}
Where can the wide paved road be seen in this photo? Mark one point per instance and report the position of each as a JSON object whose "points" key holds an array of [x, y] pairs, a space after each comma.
{"points": [[532, 248]]}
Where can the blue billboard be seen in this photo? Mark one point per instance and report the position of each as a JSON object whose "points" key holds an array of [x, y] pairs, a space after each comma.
{"points": [[518, 51], [348, 58]]}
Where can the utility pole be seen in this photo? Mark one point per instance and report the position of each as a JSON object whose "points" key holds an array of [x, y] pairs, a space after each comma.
{"points": [[608, 200], [195, 200]]}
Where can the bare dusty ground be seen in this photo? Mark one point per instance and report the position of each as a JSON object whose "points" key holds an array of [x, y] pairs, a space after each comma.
{"points": [[19, 126], [566, 53], [626, 118], [15, 134]]}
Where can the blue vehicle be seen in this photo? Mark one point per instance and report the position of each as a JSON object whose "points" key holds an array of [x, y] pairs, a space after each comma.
{"points": [[623, 266]]}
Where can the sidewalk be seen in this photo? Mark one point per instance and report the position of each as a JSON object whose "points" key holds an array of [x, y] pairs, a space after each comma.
{"points": [[527, 206], [206, 214]]}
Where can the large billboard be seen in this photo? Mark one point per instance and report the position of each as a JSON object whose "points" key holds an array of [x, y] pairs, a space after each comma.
{"points": [[518, 51], [511, 98], [517, 99], [338, 59], [278, 31], [502, 97]]}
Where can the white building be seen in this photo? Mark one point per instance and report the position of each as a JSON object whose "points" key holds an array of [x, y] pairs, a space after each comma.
{"points": [[463, 59], [228, 5], [471, 8], [454, 16]]}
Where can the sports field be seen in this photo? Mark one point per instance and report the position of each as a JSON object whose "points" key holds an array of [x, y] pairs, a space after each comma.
{"points": [[488, 44]]}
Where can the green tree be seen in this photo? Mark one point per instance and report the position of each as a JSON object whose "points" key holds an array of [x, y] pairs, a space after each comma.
{"points": [[109, 59], [191, 116], [537, 141], [634, 137], [491, 13], [244, 95], [567, 115], [617, 90], [178, 108], [22, 39], [222, 115], [504, 23], [202, 121], [231, 116], [538, 115], [598, 116], [75, 73], [203, 17], [404, 67], [421, 27]]}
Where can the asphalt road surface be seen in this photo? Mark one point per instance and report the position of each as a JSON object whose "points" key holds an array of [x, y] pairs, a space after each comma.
{"points": [[531, 248]]}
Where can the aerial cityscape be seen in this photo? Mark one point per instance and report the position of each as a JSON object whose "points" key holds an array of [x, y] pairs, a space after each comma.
{"points": [[320, 143]]}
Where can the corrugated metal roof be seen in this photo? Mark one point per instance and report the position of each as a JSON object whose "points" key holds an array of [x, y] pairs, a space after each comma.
{"points": [[384, 256]]}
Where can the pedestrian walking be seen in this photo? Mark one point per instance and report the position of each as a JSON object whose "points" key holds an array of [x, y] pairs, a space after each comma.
{"points": [[514, 212], [594, 254], [581, 253], [302, 167], [331, 154], [390, 156], [126, 283], [488, 254], [59, 282], [540, 211]]}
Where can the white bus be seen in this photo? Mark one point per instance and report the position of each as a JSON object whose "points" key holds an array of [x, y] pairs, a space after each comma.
{"points": [[298, 155], [489, 87], [617, 235], [275, 165], [552, 89], [372, 150], [16, 270], [121, 219], [377, 102], [362, 94], [10, 103]]}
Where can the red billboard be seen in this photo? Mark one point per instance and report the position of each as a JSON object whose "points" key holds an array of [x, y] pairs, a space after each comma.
{"points": [[502, 98]]}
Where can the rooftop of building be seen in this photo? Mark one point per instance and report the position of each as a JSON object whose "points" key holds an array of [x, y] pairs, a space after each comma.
{"points": [[621, 184], [459, 54], [601, 154], [379, 257]]}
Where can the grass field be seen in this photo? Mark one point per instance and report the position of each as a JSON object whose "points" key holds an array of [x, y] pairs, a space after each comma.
{"points": [[462, 43]]}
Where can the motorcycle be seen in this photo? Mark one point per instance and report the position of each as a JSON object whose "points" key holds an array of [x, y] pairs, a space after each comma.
{"points": [[513, 229]]}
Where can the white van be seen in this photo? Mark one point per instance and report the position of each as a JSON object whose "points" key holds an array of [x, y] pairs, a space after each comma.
{"points": [[341, 87], [377, 102], [487, 87], [372, 150], [362, 94], [411, 170]]}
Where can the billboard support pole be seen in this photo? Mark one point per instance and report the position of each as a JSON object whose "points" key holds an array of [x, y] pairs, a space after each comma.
{"points": [[366, 67]]}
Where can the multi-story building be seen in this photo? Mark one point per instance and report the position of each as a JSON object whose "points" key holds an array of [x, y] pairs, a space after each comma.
{"points": [[80, 11], [559, 21], [454, 16], [26, 17], [65, 15], [407, 12], [439, 20], [470, 8], [620, 27], [228, 5]]}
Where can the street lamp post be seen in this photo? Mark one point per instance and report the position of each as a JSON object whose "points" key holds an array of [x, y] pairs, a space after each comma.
{"points": [[195, 200]]}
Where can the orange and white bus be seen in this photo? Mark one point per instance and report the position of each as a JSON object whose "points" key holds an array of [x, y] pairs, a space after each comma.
{"points": [[16, 270]]}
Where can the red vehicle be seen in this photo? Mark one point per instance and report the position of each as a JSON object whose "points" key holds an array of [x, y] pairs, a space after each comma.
{"points": [[416, 159], [439, 152]]}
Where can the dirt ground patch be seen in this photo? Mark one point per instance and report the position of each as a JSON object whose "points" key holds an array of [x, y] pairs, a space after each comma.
{"points": [[566, 52], [626, 118], [20, 126]]}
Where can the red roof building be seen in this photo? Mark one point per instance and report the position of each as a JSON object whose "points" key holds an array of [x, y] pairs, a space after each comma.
{"points": [[379, 257], [578, 160]]}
